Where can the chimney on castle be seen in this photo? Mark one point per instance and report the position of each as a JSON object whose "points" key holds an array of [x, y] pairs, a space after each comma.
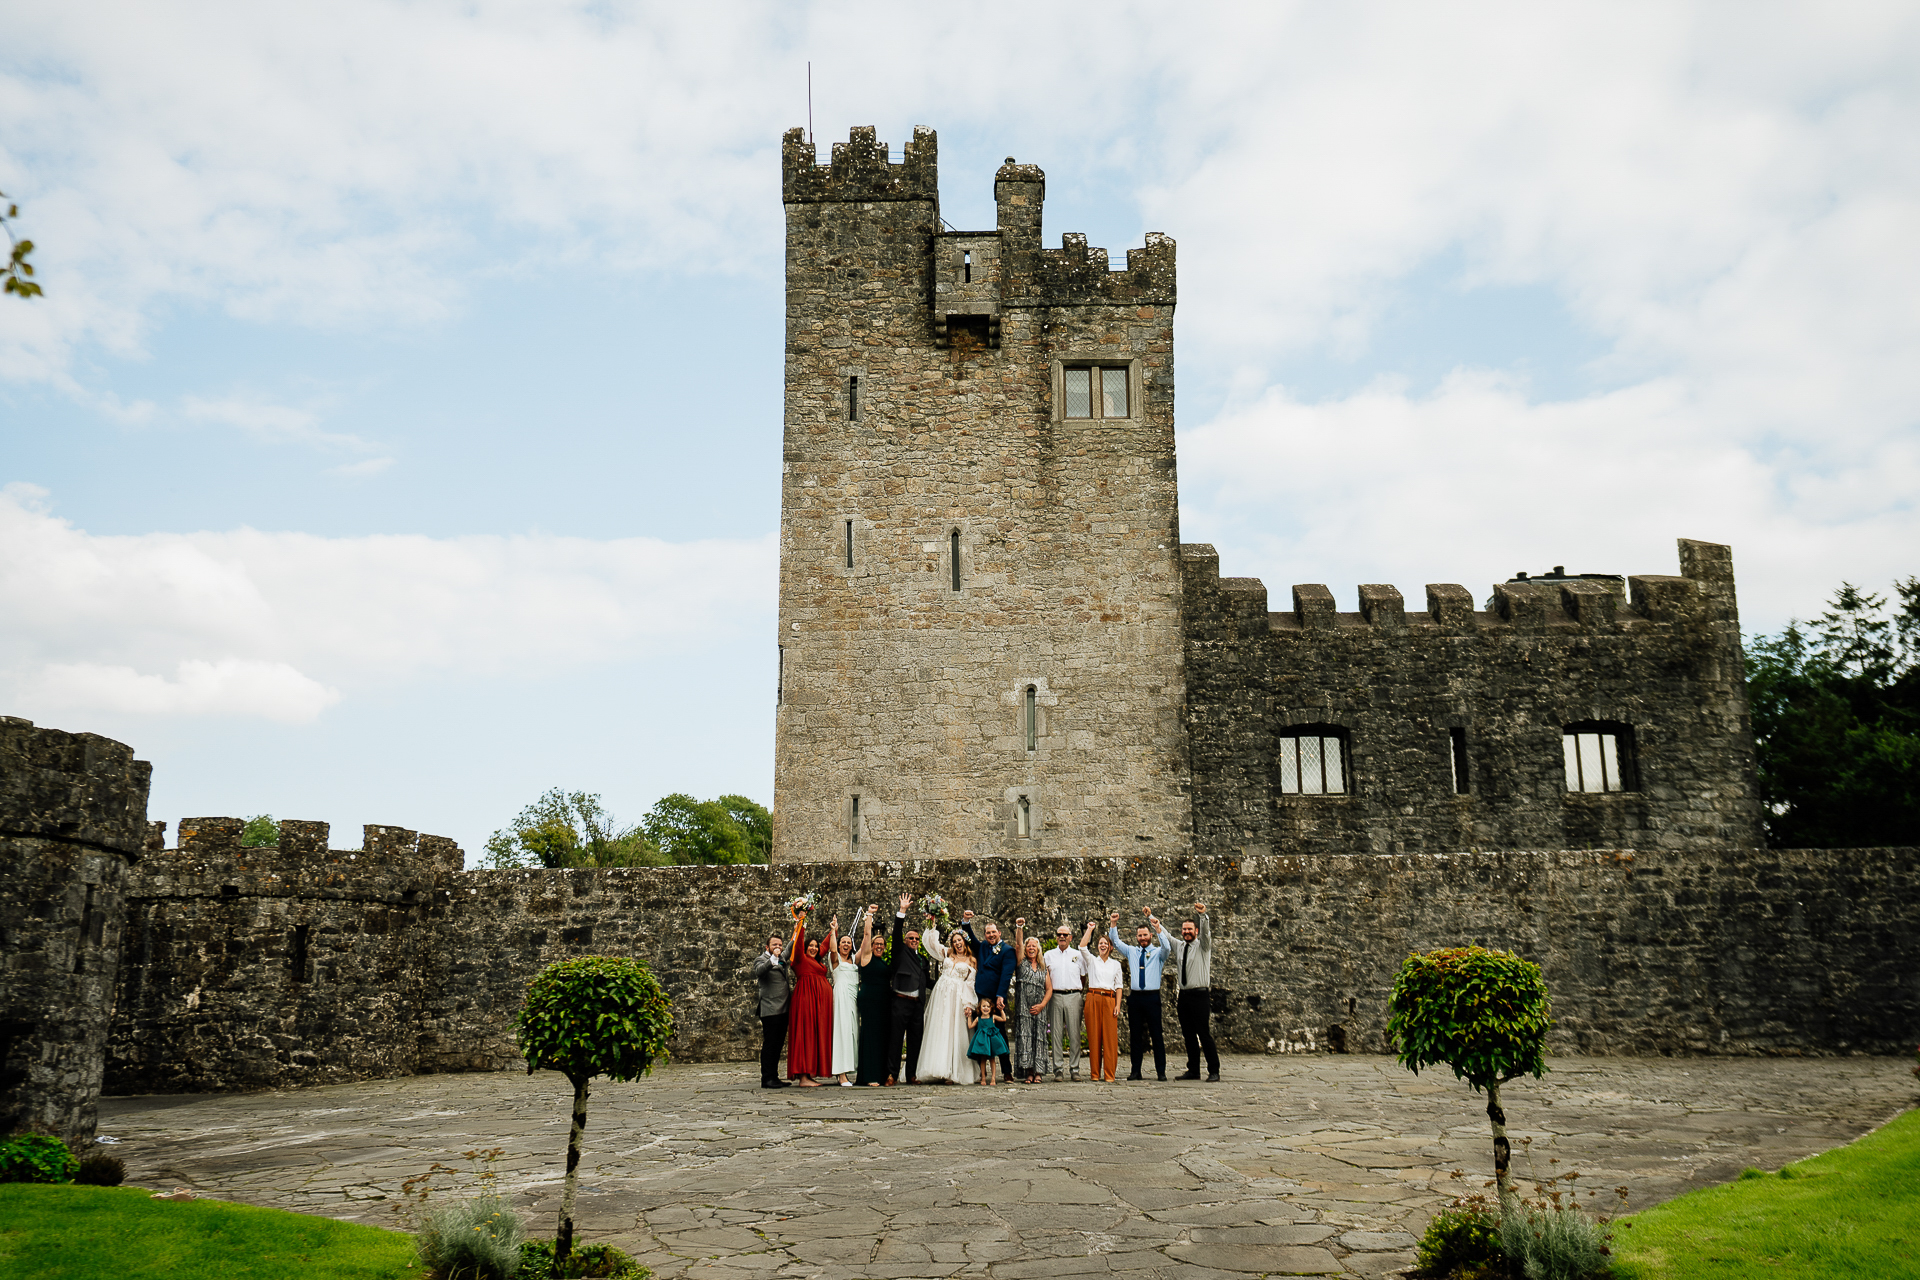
{"points": [[1019, 190]]}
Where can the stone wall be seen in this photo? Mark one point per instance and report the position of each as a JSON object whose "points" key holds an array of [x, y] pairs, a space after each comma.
{"points": [[1397, 686], [73, 818], [1654, 951], [249, 968], [924, 425]]}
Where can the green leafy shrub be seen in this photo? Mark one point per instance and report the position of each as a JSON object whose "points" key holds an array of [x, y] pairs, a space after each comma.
{"points": [[476, 1239], [101, 1170], [1556, 1244], [1462, 1241], [594, 1016], [589, 1260], [1483, 1013], [35, 1157]]}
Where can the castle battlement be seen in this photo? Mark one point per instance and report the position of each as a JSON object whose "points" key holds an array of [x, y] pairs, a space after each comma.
{"points": [[210, 861], [859, 169]]}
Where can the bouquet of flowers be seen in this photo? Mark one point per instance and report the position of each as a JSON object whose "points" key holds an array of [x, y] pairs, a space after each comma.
{"points": [[802, 905], [934, 905]]}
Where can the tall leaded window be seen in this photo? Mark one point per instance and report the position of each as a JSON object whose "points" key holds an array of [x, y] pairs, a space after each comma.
{"points": [[1313, 761], [1096, 391], [1032, 716], [1599, 757], [953, 556]]}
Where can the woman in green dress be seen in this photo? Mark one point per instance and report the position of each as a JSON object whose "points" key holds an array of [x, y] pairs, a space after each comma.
{"points": [[875, 1002]]}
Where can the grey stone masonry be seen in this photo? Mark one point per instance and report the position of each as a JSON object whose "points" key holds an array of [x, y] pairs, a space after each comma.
{"points": [[1451, 721], [979, 623], [250, 968], [73, 818], [409, 966]]}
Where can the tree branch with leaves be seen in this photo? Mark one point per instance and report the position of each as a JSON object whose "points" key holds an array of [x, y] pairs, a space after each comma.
{"points": [[18, 271]]}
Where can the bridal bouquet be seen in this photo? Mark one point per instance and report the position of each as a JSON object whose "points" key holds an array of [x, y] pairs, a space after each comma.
{"points": [[802, 905], [934, 905]]}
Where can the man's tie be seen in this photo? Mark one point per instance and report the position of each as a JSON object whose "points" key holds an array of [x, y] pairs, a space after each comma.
{"points": [[1185, 947], [1143, 969]]}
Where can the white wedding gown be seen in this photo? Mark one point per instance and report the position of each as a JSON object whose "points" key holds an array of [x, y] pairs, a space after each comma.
{"points": [[943, 1046]]}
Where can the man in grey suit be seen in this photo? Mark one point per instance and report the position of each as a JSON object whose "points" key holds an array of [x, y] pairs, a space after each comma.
{"points": [[775, 978]]}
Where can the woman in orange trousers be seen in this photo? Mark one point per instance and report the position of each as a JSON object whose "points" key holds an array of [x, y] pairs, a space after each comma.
{"points": [[1104, 981]]}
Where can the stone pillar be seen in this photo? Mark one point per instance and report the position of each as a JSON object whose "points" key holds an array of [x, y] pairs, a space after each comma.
{"points": [[73, 819]]}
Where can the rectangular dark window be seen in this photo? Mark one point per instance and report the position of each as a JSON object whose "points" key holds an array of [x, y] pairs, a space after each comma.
{"points": [[849, 544], [297, 953], [853, 822], [1033, 716], [953, 543], [966, 266], [1458, 740], [1599, 757], [1312, 763], [853, 399], [1096, 391]]}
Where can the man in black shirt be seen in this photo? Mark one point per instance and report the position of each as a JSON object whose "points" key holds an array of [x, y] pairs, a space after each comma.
{"points": [[910, 982]]}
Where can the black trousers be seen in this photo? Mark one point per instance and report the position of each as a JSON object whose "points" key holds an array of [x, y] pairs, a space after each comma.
{"points": [[1195, 1007], [1143, 1024], [773, 1037], [909, 1024]]}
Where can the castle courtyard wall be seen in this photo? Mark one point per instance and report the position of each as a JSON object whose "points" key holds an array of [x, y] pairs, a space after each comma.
{"points": [[1716, 951]]}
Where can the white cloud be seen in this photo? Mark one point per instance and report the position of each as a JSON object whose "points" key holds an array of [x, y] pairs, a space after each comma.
{"points": [[229, 687], [355, 470], [269, 421], [280, 625], [1602, 484]]}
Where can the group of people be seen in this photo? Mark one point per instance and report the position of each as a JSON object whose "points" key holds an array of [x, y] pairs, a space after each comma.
{"points": [[974, 1008]]}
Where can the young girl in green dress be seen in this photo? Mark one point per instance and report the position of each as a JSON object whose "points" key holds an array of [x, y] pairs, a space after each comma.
{"points": [[989, 1041]]}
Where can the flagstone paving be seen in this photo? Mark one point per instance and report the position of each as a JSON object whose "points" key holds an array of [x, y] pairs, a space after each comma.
{"points": [[1294, 1165]]}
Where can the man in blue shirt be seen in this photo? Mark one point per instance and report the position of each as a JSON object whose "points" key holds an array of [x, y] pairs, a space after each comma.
{"points": [[1146, 960], [994, 973]]}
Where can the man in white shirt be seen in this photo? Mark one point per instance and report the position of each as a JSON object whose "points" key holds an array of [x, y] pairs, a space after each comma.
{"points": [[1068, 969]]}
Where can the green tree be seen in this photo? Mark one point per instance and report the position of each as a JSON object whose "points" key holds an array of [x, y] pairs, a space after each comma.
{"points": [[18, 271], [689, 832], [1483, 1013], [569, 829], [261, 830], [594, 1016], [1836, 722]]}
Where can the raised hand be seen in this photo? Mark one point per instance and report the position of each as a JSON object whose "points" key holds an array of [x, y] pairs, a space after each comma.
{"points": [[1019, 922], [1113, 917], [834, 924], [906, 900], [1201, 907], [966, 917]]}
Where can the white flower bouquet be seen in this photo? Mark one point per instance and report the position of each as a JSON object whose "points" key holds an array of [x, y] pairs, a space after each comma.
{"points": [[933, 904], [802, 905]]}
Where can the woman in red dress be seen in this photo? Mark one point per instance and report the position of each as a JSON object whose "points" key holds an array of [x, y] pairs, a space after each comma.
{"points": [[810, 1029]]}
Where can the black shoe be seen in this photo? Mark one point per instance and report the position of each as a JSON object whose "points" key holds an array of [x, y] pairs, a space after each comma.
{"points": [[1214, 1078], [775, 1084], [1163, 1077], [1188, 1075], [1134, 1076]]}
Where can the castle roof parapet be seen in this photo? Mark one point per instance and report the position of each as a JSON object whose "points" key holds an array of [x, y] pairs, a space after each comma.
{"points": [[860, 169]]}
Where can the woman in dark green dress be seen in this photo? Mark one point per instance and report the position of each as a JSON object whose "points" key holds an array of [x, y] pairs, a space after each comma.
{"points": [[875, 1002]]}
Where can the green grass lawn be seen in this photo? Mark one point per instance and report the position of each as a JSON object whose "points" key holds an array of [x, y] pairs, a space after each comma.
{"points": [[121, 1233], [1854, 1211]]}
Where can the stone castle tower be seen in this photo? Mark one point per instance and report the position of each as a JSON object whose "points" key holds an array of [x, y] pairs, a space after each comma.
{"points": [[980, 612]]}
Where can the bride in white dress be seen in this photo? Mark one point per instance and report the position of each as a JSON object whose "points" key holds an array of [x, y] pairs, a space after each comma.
{"points": [[943, 1048]]}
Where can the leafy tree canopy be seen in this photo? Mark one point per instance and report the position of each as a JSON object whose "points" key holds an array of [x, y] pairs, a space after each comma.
{"points": [[1836, 721], [730, 830], [260, 830], [1483, 1013], [573, 829], [595, 1016], [569, 829]]}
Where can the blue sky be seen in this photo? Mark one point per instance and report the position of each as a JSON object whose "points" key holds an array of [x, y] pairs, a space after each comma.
{"points": [[399, 434]]}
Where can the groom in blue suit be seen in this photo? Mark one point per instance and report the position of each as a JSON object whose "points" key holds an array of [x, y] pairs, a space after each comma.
{"points": [[994, 973]]}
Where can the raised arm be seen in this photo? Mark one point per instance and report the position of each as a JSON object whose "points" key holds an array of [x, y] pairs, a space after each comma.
{"points": [[1086, 936], [798, 947], [931, 937], [866, 938], [1019, 938], [833, 944], [1206, 930]]}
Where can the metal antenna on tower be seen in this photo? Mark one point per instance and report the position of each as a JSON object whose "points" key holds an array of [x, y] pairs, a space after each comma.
{"points": [[809, 103]]}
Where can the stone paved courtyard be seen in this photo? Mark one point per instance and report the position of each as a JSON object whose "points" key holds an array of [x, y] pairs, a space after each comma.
{"points": [[1295, 1165]]}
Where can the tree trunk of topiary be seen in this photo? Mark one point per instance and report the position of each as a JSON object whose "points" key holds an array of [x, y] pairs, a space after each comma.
{"points": [[1502, 1151], [563, 1245]]}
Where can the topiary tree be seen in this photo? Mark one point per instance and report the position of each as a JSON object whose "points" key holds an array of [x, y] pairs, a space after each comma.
{"points": [[594, 1016], [1483, 1013]]}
